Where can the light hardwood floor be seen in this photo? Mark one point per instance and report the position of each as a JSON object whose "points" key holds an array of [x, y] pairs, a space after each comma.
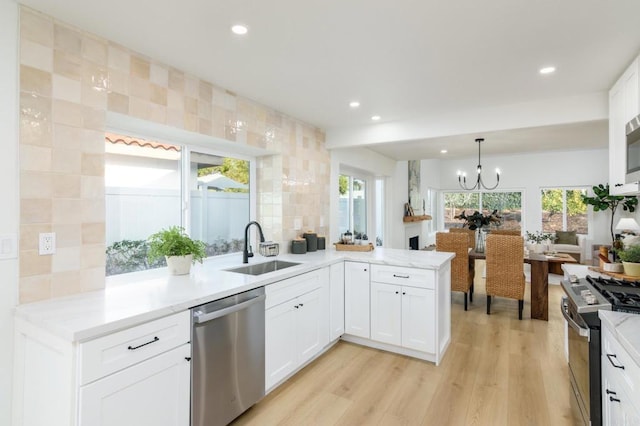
{"points": [[497, 371]]}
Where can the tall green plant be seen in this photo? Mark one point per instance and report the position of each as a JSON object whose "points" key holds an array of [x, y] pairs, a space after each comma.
{"points": [[604, 201]]}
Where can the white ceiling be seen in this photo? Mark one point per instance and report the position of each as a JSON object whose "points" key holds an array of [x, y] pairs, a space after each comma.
{"points": [[406, 60]]}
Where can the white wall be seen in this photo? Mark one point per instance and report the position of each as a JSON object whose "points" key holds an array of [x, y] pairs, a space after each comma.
{"points": [[8, 193]]}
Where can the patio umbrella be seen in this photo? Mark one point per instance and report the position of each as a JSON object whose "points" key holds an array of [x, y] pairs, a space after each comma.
{"points": [[220, 182]]}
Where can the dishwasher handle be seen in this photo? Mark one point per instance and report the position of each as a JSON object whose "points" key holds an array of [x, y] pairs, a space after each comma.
{"points": [[202, 318]]}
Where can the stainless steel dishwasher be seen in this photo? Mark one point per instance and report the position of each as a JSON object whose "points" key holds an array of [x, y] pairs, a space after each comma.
{"points": [[227, 366]]}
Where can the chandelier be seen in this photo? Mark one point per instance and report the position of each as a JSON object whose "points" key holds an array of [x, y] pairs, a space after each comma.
{"points": [[462, 177]]}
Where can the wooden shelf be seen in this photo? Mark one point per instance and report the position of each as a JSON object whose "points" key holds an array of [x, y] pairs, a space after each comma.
{"points": [[416, 218]]}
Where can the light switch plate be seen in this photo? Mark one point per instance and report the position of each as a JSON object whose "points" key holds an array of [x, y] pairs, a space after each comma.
{"points": [[8, 246]]}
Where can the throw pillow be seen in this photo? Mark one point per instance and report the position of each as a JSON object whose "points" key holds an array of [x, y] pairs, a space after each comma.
{"points": [[566, 237]]}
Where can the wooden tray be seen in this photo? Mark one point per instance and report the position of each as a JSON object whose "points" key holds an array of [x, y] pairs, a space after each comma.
{"points": [[617, 275], [353, 247]]}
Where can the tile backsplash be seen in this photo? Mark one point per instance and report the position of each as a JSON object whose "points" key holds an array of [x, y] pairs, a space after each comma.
{"points": [[69, 80]]}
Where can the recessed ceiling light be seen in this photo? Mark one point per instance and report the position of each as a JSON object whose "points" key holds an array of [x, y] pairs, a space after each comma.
{"points": [[354, 104], [239, 29], [547, 70], [376, 117], [443, 151]]}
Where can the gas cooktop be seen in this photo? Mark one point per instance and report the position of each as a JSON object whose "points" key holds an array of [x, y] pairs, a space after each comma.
{"points": [[623, 295]]}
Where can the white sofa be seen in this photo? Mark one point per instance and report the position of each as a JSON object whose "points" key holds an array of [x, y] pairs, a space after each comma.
{"points": [[579, 252]]}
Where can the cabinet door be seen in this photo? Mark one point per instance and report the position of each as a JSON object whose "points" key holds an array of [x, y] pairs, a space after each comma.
{"points": [[356, 299], [336, 305], [153, 392], [418, 319], [623, 106], [280, 342], [385, 313], [309, 324]]}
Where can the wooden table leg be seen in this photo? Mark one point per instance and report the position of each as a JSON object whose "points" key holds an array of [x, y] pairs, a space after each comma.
{"points": [[540, 290]]}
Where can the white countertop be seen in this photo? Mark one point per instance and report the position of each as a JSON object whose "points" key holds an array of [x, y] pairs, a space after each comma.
{"points": [[131, 299], [625, 327]]}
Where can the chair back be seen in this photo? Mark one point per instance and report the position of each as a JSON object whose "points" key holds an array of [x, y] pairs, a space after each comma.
{"points": [[505, 266], [456, 243], [469, 232], [515, 232]]}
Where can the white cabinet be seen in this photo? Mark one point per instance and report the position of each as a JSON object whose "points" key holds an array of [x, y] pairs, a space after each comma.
{"points": [[399, 309], [296, 323], [386, 311], [418, 319], [624, 104], [139, 375], [620, 383], [356, 299], [403, 316], [154, 392], [336, 305]]}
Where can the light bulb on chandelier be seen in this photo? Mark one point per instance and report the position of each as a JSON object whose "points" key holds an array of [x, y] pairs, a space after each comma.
{"points": [[462, 176]]}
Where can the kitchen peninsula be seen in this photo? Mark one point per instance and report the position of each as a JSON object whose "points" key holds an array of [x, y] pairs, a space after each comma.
{"points": [[76, 349]]}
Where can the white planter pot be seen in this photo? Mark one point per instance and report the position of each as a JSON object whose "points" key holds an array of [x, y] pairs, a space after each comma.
{"points": [[179, 265]]}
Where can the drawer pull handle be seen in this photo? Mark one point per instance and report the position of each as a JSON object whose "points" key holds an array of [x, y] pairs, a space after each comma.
{"points": [[611, 392], [400, 276], [301, 305], [613, 399], [133, 348], [613, 363]]}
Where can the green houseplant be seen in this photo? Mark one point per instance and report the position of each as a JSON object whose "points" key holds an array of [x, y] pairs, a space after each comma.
{"points": [[177, 247], [604, 201], [630, 260]]}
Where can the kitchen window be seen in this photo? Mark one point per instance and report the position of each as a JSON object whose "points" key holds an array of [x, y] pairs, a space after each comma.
{"points": [[507, 203], [564, 210], [151, 185]]}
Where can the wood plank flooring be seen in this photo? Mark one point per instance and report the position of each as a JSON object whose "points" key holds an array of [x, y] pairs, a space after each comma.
{"points": [[497, 371]]}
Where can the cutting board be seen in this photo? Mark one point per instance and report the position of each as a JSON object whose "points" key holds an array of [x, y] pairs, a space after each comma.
{"points": [[616, 275]]}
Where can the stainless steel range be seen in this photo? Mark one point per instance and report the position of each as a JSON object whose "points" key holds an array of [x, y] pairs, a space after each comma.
{"points": [[585, 297]]}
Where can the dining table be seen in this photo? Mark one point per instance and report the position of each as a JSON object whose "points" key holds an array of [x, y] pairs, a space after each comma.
{"points": [[539, 282]]}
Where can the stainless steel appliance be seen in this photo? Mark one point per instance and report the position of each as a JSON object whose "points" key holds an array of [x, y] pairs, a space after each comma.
{"points": [[580, 308], [227, 368], [633, 150]]}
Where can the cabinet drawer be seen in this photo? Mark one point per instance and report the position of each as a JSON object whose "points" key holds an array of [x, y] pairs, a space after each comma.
{"points": [[291, 288], [613, 354], [423, 278], [105, 355]]}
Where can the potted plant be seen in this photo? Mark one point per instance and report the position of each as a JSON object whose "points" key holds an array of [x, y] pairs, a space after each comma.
{"points": [[630, 257], [537, 239], [177, 248], [604, 201]]}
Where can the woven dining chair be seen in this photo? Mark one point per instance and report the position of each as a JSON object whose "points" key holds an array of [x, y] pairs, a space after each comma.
{"points": [[515, 232], [469, 232], [505, 269], [461, 277]]}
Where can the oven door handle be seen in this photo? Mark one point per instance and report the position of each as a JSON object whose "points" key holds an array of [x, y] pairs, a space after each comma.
{"points": [[564, 308]]}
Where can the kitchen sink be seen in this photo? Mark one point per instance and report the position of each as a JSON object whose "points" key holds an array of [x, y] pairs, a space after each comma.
{"points": [[263, 268]]}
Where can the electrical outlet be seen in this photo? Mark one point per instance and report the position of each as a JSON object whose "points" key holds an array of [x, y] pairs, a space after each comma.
{"points": [[47, 243]]}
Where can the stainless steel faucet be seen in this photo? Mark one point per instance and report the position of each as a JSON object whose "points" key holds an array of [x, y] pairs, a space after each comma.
{"points": [[246, 252]]}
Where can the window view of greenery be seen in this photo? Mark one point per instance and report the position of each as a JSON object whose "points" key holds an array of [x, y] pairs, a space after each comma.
{"points": [[456, 203], [508, 205], [219, 202], [352, 205], [144, 187], [563, 210]]}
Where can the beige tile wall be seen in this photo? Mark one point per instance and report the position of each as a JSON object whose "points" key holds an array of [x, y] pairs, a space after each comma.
{"points": [[69, 79]]}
